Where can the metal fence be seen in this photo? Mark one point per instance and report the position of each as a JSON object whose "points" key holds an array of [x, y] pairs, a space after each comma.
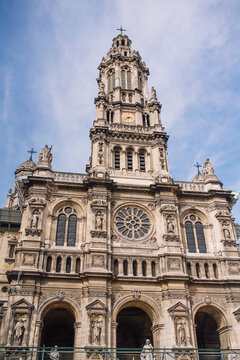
{"points": [[59, 353]]}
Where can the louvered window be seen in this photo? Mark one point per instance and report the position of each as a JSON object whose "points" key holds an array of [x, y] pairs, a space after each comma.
{"points": [[117, 160], [129, 161], [142, 162], [68, 265]]}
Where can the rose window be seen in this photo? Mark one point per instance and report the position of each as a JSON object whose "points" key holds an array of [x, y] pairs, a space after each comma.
{"points": [[132, 223]]}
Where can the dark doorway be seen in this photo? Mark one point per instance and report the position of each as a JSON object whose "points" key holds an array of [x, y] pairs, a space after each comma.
{"points": [[134, 327], [207, 335], [58, 328]]}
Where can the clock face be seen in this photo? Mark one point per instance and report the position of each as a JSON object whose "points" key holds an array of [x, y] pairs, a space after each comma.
{"points": [[128, 118]]}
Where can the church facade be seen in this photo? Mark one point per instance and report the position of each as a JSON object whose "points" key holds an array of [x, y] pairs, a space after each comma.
{"points": [[122, 253]]}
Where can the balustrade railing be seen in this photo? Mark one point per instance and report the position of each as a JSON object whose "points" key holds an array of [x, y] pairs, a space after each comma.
{"points": [[69, 177], [189, 186]]}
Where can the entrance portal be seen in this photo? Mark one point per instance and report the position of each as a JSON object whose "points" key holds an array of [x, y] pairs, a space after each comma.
{"points": [[134, 327], [207, 335], [58, 328]]}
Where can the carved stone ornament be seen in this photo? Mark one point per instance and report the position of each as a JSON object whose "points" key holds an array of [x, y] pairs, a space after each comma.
{"points": [[136, 294], [98, 261], [230, 243], [226, 230], [60, 295], [98, 234], [168, 208], [45, 156], [171, 238], [234, 268], [170, 224], [174, 264], [237, 314], [29, 259], [96, 312], [33, 232], [208, 168]]}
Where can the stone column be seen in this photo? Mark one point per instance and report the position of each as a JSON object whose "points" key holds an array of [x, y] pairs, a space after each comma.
{"points": [[156, 329], [114, 334], [120, 267], [77, 326]]}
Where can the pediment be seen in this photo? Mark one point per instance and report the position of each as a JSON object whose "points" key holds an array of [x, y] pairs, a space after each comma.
{"points": [[178, 309], [96, 305], [22, 304]]}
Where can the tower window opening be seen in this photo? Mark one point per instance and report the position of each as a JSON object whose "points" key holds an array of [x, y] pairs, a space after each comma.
{"points": [[125, 267], [198, 270], [123, 42], [144, 268], [77, 268], [112, 114], [139, 82], [123, 97], [189, 269], [111, 81], [215, 271], [130, 98], [108, 116], [142, 162], [148, 121], [117, 43], [129, 161], [123, 78], [117, 160], [68, 265], [143, 120], [153, 268], [58, 264], [129, 85], [115, 267], [11, 251], [134, 268], [125, 53]]}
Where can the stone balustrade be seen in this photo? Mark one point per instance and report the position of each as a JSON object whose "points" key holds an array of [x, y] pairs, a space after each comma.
{"points": [[202, 269], [69, 177], [134, 267], [190, 186]]}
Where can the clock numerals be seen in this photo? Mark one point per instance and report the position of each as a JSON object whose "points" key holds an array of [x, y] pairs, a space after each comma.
{"points": [[128, 118]]}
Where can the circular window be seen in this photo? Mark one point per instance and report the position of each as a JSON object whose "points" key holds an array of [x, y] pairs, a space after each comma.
{"points": [[4, 289], [132, 223], [68, 210]]}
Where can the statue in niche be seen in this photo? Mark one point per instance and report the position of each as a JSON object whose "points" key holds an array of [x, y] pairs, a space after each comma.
{"points": [[96, 332], [54, 353], [101, 87], [170, 225], [46, 155], [99, 221], [154, 94], [34, 220], [226, 232], [18, 332], [181, 334], [147, 351], [207, 168]]}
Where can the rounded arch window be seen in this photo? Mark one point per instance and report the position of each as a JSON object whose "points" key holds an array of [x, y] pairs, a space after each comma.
{"points": [[132, 223], [195, 234], [66, 226]]}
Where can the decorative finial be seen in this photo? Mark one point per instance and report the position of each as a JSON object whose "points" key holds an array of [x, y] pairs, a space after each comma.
{"points": [[121, 29], [198, 166], [31, 152]]}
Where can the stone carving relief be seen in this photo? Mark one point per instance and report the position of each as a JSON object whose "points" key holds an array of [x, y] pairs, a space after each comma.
{"points": [[226, 230], [60, 295], [208, 300], [18, 331], [45, 155], [98, 260], [96, 329], [136, 294], [180, 315], [96, 314], [170, 224], [207, 168], [237, 314], [99, 220], [174, 264], [234, 268], [181, 332], [29, 259]]}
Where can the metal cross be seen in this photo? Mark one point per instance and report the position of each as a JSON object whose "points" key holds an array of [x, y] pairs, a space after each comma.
{"points": [[31, 152], [121, 29], [198, 166]]}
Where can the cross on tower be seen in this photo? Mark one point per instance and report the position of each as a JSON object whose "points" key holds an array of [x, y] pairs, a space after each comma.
{"points": [[31, 152], [121, 29], [198, 166]]}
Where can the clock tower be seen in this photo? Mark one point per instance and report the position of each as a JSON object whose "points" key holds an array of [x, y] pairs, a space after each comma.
{"points": [[128, 139]]}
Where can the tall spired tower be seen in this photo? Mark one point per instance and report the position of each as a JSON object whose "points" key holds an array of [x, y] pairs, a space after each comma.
{"points": [[122, 255], [128, 140]]}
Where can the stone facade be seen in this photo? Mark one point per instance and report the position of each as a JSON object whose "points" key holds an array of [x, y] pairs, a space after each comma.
{"points": [[124, 235]]}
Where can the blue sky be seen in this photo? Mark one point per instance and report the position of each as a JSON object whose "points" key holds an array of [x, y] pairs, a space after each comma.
{"points": [[49, 53]]}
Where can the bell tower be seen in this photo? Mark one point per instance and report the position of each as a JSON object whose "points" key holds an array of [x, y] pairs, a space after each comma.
{"points": [[128, 139]]}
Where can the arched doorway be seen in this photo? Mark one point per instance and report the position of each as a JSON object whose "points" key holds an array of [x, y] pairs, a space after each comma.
{"points": [[134, 327], [58, 327], [207, 334]]}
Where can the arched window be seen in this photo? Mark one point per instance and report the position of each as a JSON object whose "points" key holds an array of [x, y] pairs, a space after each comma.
{"points": [[134, 268], [49, 264], [144, 268], [117, 43], [215, 271], [115, 267], [72, 228], [108, 116], [77, 269], [206, 270], [142, 165], [67, 220], [112, 115], [61, 227], [189, 269], [144, 120], [198, 270], [140, 81], [153, 268], [58, 264], [68, 265], [129, 160], [195, 234], [123, 42], [111, 81], [125, 267], [148, 120], [117, 160]]}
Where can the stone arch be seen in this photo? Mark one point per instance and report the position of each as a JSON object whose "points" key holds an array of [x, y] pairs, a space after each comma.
{"points": [[219, 316], [66, 312], [143, 302]]}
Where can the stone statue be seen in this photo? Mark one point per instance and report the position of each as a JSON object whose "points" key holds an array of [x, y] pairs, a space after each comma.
{"points": [[99, 221], [207, 168], [226, 232], [54, 353], [46, 155], [170, 225], [34, 220], [19, 331], [96, 332], [181, 334], [234, 356], [101, 87], [154, 94], [147, 351]]}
